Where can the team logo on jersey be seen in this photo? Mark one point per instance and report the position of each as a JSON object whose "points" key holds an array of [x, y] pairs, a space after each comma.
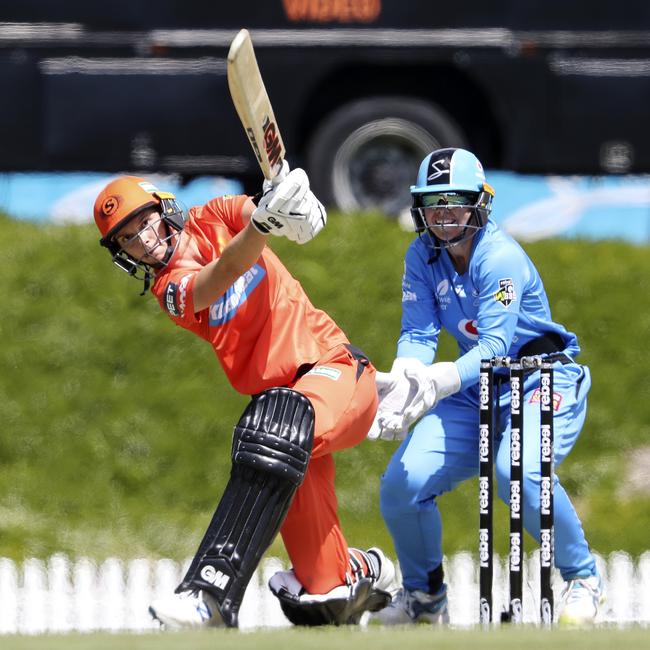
{"points": [[225, 308], [469, 328], [557, 399], [506, 293]]}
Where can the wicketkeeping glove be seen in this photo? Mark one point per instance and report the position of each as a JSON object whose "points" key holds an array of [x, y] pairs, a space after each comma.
{"points": [[395, 393], [429, 385], [290, 209]]}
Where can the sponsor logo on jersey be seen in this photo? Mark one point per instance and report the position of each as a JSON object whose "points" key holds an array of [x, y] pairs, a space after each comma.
{"points": [[225, 308], [325, 371], [176, 296], [506, 292], [442, 291], [535, 397], [171, 293], [409, 296], [182, 293], [468, 328]]}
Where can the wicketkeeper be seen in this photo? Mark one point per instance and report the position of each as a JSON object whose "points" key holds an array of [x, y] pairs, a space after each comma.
{"points": [[464, 275], [312, 393]]}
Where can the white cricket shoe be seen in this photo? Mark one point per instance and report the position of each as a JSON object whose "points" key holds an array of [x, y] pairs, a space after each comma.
{"points": [[409, 607], [581, 600], [188, 609]]}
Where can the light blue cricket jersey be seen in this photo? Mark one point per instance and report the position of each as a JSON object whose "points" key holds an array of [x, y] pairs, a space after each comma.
{"points": [[492, 309]]}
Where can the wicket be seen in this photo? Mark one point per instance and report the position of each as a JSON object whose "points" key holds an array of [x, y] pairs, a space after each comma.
{"points": [[517, 371]]}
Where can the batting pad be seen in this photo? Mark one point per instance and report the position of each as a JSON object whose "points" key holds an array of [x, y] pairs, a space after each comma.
{"points": [[271, 449]]}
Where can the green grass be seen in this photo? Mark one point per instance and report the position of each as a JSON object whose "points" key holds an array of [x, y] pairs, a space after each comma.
{"points": [[116, 425], [531, 638]]}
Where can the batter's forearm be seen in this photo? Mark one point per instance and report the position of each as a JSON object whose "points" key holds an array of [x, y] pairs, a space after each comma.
{"points": [[237, 257]]}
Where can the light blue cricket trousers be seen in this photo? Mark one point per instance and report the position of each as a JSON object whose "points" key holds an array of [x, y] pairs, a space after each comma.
{"points": [[442, 451]]}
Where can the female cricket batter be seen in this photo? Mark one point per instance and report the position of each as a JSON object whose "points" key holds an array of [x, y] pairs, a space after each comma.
{"points": [[312, 394]]}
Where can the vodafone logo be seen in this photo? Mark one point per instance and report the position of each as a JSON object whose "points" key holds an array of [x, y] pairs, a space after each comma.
{"points": [[468, 328]]}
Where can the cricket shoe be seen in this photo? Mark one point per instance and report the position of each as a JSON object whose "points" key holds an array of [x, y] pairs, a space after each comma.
{"points": [[188, 609], [581, 600], [369, 586], [410, 607], [381, 570]]}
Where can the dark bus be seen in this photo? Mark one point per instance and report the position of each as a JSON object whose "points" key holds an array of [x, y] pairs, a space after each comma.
{"points": [[362, 89]]}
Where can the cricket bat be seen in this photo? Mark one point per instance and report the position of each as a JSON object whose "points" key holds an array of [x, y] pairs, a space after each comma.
{"points": [[253, 106]]}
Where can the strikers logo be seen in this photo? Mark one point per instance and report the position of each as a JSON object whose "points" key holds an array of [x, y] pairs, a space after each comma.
{"points": [[506, 292], [438, 168]]}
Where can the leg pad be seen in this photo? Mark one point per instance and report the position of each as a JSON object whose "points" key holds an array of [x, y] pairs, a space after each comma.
{"points": [[271, 449]]}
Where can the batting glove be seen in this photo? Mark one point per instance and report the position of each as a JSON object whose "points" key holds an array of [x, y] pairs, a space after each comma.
{"points": [[290, 209]]}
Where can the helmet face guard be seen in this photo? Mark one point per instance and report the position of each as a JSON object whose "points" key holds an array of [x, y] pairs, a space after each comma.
{"points": [[450, 180]]}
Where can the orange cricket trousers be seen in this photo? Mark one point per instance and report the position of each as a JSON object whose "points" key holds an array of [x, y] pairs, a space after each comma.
{"points": [[344, 396]]}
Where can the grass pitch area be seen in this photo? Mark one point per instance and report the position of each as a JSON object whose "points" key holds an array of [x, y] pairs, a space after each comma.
{"points": [[531, 638]]}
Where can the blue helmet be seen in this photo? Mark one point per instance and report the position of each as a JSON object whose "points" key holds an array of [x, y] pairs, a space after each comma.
{"points": [[459, 173], [449, 170]]}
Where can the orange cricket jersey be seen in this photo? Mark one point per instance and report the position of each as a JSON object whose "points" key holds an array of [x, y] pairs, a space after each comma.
{"points": [[264, 327]]}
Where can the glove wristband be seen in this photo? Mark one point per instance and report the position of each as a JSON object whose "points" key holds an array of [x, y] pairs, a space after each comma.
{"points": [[261, 227]]}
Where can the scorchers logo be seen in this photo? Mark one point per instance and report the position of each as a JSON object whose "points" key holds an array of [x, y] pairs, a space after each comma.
{"points": [[468, 328]]}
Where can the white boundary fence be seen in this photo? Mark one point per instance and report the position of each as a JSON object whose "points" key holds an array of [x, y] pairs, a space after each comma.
{"points": [[62, 595]]}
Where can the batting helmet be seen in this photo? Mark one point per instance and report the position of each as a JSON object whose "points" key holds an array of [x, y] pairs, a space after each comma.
{"points": [[122, 200]]}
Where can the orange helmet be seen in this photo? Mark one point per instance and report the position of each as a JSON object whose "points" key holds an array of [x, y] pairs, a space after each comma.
{"points": [[122, 200]]}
